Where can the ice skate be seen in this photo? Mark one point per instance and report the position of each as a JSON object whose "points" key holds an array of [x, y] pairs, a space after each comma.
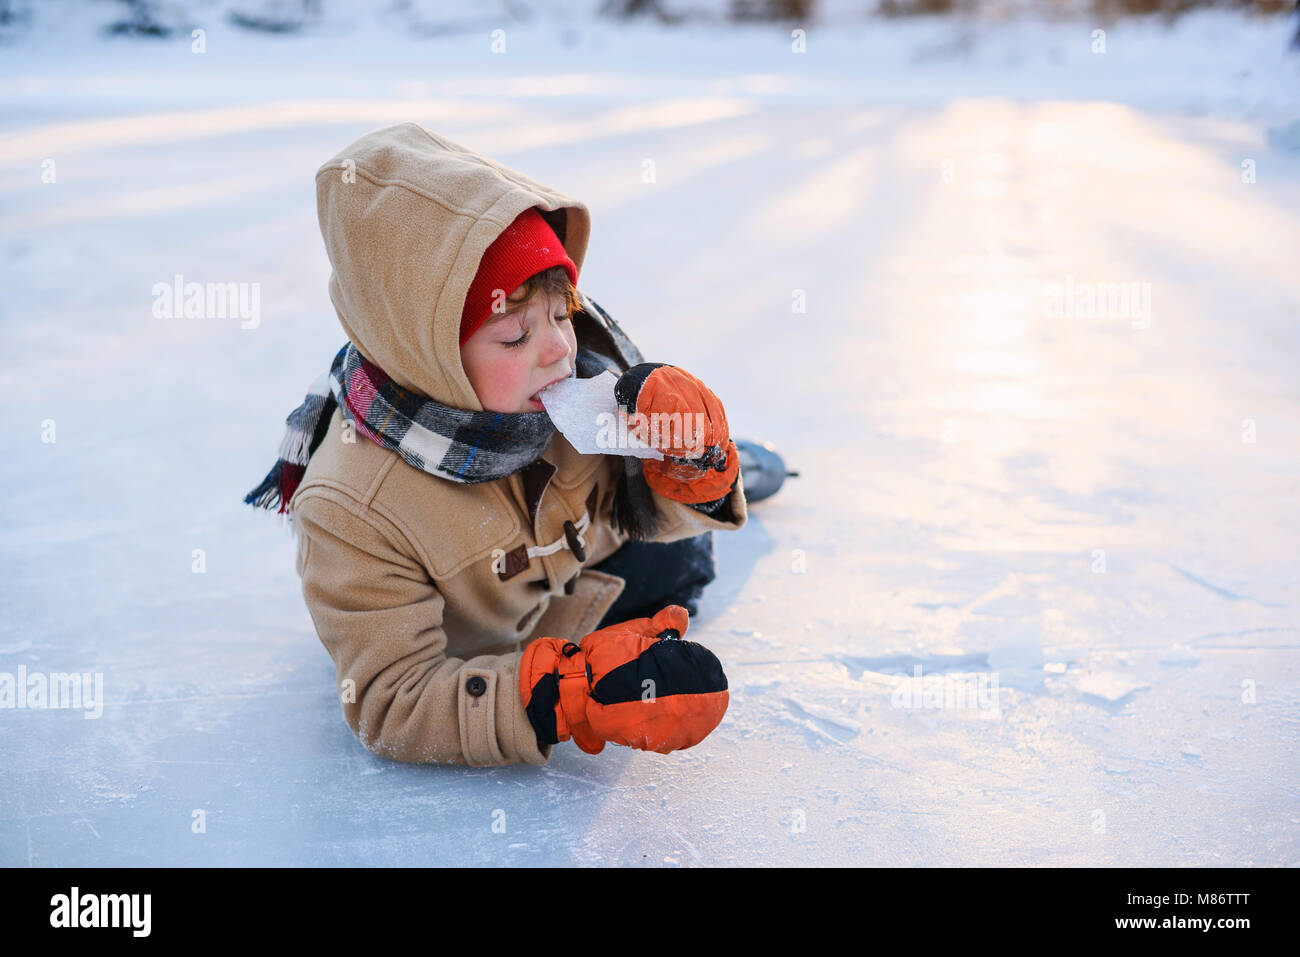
{"points": [[762, 468]]}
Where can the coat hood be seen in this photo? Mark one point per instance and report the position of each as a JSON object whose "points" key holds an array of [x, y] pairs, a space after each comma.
{"points": [[406, 216]]}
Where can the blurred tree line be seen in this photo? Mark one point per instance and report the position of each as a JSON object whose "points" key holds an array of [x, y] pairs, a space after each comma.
{"points": [[167, 17], [1103, 8]]}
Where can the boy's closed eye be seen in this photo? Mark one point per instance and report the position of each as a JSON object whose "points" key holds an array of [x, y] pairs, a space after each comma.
{"points": [[526, 333]]}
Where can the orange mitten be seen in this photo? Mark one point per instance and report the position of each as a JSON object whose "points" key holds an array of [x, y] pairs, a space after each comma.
{"points": [[636, 683], [685, 421]]}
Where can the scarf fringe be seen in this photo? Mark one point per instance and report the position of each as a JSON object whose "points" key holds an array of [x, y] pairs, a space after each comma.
{"points": [[634, 510], [269, 493], [295, 447]]}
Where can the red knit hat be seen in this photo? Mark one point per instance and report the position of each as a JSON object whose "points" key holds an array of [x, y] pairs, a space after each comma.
{"points": [[528, 246]]}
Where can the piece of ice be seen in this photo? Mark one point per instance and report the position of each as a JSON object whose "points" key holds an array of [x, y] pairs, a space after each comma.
{"points": [[1021, 649], [1109, 686], [825, 714], [1177, 655], [587, 414]]}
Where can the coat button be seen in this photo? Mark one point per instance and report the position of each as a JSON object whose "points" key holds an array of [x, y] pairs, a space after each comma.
{"points": [[575, 545], [476, 686]]}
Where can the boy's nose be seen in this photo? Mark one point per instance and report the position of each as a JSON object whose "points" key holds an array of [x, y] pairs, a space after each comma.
{"points": [[556, 346]]}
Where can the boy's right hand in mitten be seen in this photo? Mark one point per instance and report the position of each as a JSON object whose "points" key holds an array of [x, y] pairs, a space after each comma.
{"points": [[700, 459], [636, 683]]}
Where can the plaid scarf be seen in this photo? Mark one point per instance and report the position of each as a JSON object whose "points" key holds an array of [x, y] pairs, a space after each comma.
{"points": [[455, 444]]}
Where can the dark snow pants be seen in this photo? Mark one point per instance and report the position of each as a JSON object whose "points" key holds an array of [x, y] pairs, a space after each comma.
{"points": [[659, 574]]}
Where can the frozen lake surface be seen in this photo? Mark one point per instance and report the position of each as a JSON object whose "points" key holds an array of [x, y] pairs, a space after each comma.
{"points": [[1097, 508]]}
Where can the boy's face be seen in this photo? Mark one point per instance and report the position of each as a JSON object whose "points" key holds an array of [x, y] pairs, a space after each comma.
{"points": [[511, 358]]}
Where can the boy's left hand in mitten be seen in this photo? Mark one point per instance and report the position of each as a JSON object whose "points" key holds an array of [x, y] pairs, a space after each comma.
{"points": [[637, 683], [700, 460]]}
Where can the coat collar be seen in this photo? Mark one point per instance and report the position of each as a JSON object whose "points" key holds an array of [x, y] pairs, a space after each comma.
{"points": [[561, 465], [535, 478]]}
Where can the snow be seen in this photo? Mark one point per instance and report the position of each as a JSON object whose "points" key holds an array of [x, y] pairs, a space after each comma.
{"points": [[1100, 512]]}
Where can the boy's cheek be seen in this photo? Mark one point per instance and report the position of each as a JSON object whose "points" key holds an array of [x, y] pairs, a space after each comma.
{"points": [[508, 384]]}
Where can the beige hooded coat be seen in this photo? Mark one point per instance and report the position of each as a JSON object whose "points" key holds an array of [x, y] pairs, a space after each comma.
{"points": [[423, 590]]}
